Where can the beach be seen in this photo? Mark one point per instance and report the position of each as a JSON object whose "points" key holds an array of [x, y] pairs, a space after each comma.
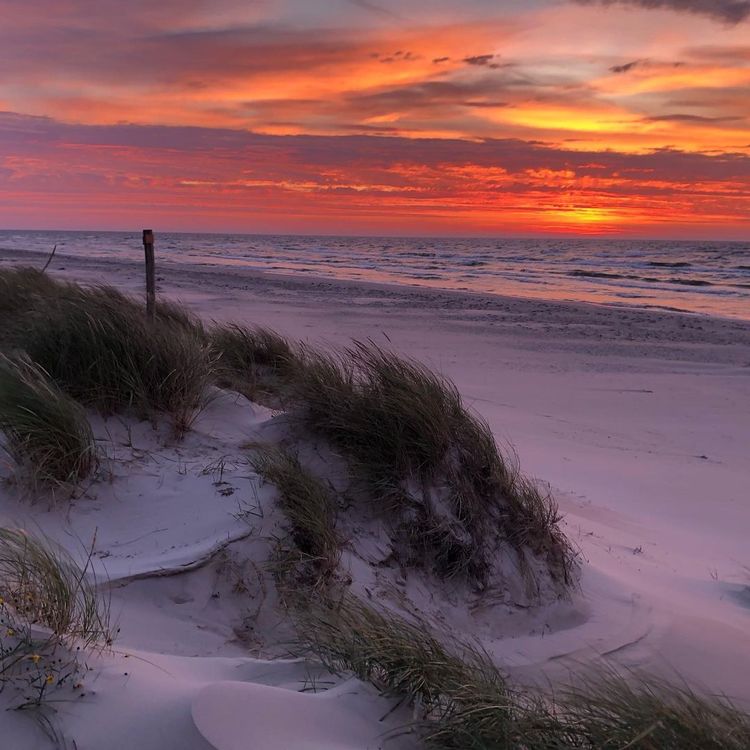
{"points": [[638, 420]]}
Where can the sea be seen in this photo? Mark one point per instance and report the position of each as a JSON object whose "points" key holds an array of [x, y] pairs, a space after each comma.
{"points": [[709, 278]]}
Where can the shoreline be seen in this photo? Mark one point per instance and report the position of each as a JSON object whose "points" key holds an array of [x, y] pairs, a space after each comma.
{"points": [[321, 283], [587, 324]]}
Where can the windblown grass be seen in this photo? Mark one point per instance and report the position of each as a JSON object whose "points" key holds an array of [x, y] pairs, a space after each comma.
{"points": [[40, 584], [308, 505], [46, 432], [611, 711], [431, 464], [399, 658], [464, 702], [50, 615], [22, 288], [254, 361], [461, 698], [98, 345]]}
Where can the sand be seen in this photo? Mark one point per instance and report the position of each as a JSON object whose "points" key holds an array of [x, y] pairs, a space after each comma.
{"points": [[638, 420]]}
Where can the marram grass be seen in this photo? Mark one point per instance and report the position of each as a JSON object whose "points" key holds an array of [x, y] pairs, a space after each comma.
{"points": [[44, 430], [256, 362], [465, 702], [41, 585], [428, 463], [98, 345], [461, 698], [309, 506]]}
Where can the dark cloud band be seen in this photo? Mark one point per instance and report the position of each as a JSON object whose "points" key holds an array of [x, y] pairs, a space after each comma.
{"points": [[727, 11]]}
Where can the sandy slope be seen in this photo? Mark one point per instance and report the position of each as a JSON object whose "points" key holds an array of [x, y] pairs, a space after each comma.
{"points": [[640, 421]]}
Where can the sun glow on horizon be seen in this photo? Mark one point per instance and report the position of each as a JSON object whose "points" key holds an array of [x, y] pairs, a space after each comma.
{"points": [[552, 117]]}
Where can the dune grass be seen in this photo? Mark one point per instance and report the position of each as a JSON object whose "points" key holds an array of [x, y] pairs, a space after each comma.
{"points": [[46, 432], [98, 345], [461, 698], [254, 361], [465, 702], [399, 658], [41, 584], [310, 508], [428, 462], [22, 290], [50, 616], [610, 710], [22, 287]]}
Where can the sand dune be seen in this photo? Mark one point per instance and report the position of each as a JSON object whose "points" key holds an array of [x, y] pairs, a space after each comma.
{"points": [[639, 421]]}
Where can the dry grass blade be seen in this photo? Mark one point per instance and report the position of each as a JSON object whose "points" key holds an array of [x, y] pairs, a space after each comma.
{"points": [[46, 432]]}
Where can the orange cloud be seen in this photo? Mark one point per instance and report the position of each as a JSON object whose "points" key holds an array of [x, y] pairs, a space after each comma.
{"points": [[369, 116], [197, 178]]}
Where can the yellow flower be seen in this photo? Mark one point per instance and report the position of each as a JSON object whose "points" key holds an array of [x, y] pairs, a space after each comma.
{"points": [[50, 679], [10, 633], [35, 658], [2, 601]]}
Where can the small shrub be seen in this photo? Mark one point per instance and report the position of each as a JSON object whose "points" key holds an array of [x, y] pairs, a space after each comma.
{"points": [[46, 432]]}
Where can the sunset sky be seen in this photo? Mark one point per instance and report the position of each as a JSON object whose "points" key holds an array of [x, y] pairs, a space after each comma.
{"points": [[621, 118]]}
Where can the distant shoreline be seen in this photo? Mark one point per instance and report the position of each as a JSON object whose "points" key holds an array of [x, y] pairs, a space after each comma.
{"points": [[426, 293], [706, 279], [588, 327]]}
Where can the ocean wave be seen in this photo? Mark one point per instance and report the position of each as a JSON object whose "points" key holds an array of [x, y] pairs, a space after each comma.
{"points": [[607, 275], [691, 282], [633, 277]]}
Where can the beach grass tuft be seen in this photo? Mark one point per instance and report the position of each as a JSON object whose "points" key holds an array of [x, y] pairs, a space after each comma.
{"points": [[22, 287], [51, 615], [41, 584], [429, 463], [98, 345], [398, 657], [463, 701], [254, 361], [309, 505], [46, 432], [611, 710]]}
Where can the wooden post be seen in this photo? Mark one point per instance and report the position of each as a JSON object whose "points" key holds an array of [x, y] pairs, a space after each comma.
{"points": [[148, 247]]}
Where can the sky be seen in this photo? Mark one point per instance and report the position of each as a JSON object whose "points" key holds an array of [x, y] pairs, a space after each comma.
{"points": [[622, 118]]}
